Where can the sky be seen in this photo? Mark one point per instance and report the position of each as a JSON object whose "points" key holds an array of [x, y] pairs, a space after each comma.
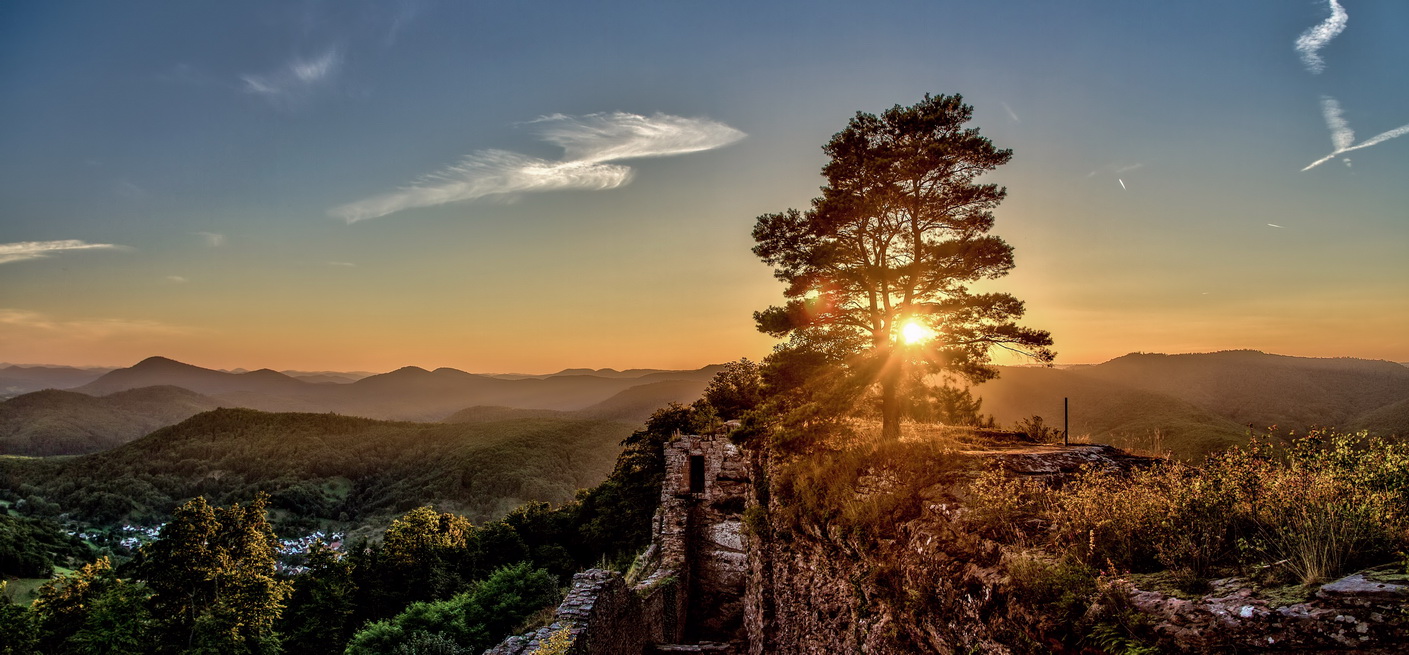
{"points": [[525, 187]]}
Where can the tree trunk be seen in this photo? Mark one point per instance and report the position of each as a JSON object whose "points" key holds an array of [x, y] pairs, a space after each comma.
{"points": [[890, 403]]}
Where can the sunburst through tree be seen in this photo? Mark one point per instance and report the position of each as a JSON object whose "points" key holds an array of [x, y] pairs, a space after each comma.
{"points": [[881, 264]]}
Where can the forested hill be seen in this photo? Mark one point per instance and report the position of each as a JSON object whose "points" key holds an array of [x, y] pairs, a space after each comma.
{"points": [[328, 467], [1201, 402], [53, 422]]}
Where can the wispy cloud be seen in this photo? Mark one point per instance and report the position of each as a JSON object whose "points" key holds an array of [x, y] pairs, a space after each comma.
{"points": [[1342, 136], [588, 143], [346, 264], [89, 328], [176, 279], [16, 252], [212, 239], [1273, 225], [291, 82], [1309, 44], [619, 135]]}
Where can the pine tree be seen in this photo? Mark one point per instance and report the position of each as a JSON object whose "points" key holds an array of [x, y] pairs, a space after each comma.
{"points": [[879, 269]]}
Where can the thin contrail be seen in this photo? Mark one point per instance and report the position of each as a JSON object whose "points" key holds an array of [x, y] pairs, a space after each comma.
{"points": [[1122, 182], [1342, 136], [1273, 225]]}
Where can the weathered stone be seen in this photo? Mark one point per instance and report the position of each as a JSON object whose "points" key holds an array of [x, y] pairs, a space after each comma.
{"points": [[932, 588], [1359, 587]]}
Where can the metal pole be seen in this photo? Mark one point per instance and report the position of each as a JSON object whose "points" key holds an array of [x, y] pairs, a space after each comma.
{"points": [[1066, 421]]}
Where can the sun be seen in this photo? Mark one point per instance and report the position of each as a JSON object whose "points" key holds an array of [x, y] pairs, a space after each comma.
{"points": [[913, 332]]}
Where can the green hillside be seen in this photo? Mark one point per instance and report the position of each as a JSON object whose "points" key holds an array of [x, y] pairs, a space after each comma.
{"points": [[53, 422], [1107, 412], [328, 467], [1251, 387], [1388, 420]]}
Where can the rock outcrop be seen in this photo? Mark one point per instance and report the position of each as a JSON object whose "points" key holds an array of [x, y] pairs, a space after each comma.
{"points": [[718, 578]]}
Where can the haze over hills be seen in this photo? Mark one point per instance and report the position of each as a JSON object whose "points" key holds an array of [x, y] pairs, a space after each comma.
{"points": [[322, 466], [16, 380], [1190, 404], [54, 422], [633, 405], [100, 414], [409, 393], [1204, 401]]}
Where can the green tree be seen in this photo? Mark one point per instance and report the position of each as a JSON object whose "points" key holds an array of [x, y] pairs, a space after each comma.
{"points": [[420, 550], [118, 622], [213, 579], [179, 567], [880, 266], [318, 618], [17, 630], [735, 390], [471, 621]]}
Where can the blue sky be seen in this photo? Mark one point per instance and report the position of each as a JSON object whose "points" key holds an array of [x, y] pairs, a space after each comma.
{"points": [[573, 184]]}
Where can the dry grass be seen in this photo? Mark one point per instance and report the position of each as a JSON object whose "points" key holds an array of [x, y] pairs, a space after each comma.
{"points": [[1327, 504]]}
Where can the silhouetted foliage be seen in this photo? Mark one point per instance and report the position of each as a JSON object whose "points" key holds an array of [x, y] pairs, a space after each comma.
{"points": [[318, 618], [93, 611], [899, 233], [735, 390], [17, 630]]}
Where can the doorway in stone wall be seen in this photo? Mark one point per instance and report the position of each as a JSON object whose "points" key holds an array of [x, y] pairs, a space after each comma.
{"points": [[697, 474]]}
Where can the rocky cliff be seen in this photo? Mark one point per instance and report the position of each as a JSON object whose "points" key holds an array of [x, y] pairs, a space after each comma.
{"points": [[736, 567]]}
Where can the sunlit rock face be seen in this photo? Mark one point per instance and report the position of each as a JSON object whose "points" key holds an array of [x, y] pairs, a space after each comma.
{"points": [[719, 578], [708, 482]]}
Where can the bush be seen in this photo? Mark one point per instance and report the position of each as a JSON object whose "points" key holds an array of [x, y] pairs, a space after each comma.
{"points": [[1065, 586], [1327, 504], [471, 621], [1006, 508], [863, 492]]}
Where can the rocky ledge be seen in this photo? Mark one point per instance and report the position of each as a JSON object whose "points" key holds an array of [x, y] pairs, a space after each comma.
{"points": [[1364, 612]]}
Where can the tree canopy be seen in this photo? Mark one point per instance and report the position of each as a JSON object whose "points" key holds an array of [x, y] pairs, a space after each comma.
{"points": [[879, 269]]}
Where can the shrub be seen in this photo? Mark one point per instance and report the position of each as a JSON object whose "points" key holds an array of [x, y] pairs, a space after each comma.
{"points": [[863, 492], [471, 621], [1065, 586], [1006, 508], [1327, 504]]}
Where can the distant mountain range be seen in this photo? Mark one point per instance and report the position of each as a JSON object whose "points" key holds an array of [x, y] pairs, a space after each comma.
{"points": [[1188, 404], [16, 380], [101, 413], [1194, 403]]}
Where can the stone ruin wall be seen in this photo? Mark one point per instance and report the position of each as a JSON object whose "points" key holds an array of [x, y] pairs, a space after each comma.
{"points": [[712, 586], [694, 570]]}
